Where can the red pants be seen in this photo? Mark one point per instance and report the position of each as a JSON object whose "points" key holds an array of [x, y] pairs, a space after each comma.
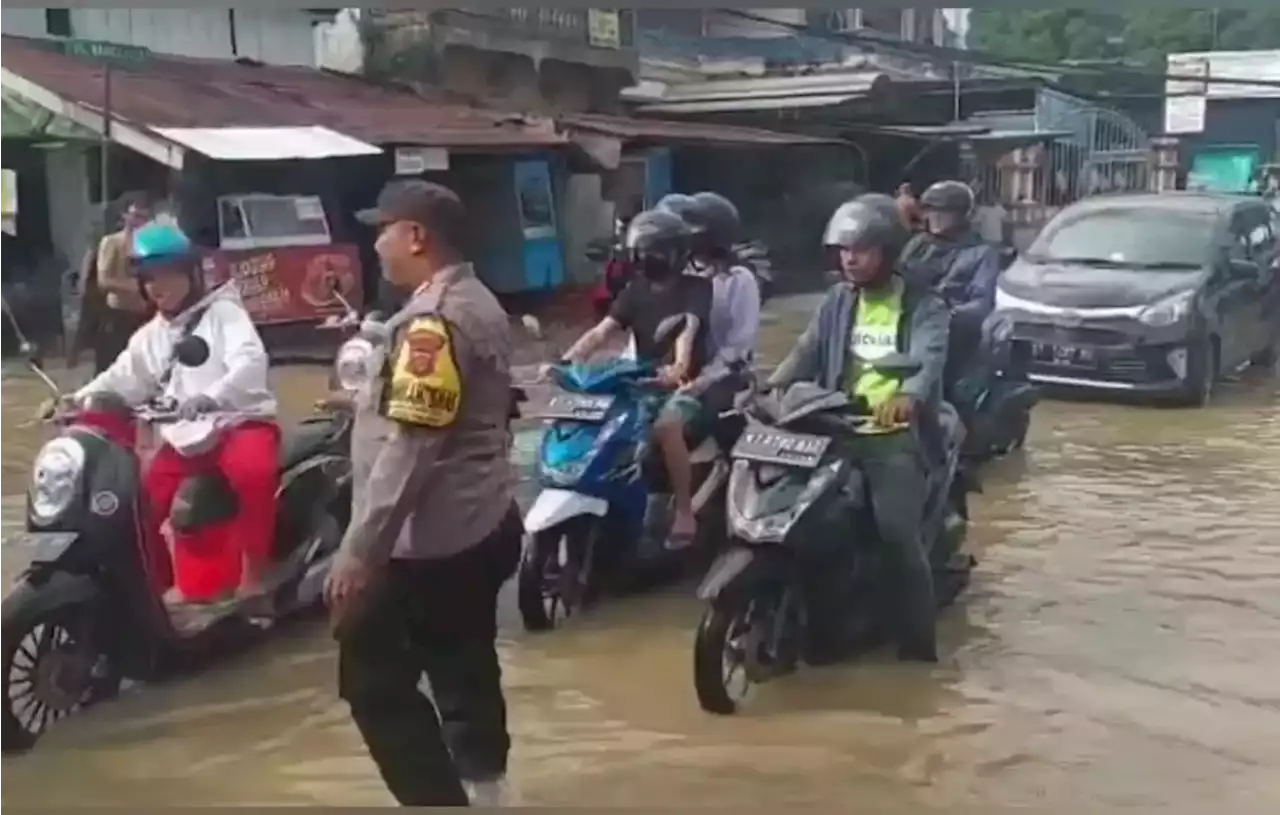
{"points": [[210, 562]]}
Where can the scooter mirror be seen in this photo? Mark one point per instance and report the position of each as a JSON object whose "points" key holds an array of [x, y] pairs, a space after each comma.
{"points": [[533, 325], [191, 351], [30, 352]]}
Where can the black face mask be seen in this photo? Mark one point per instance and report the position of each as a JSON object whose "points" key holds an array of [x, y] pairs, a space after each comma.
{"points": [[656, 267]]}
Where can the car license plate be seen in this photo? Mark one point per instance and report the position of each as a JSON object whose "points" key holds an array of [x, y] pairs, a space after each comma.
{"points": [[42, 547], [1066, 355], [778, 447], [578, 407]]}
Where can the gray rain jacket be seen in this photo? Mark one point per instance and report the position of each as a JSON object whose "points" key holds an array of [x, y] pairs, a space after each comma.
{"points": [[821, 354]]}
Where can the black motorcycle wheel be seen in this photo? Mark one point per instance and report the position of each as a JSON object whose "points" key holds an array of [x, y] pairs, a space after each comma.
{"points": [[721, 652], [548, 591], [51, 670]]}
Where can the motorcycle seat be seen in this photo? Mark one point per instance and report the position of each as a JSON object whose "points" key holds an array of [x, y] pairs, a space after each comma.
{"points": [[303, 441]]}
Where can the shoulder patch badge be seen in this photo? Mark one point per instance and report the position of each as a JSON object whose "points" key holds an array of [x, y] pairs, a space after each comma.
{"points": [[425, 387]]}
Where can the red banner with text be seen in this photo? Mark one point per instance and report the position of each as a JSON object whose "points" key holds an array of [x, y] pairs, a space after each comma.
{"points": [[290, 283]]}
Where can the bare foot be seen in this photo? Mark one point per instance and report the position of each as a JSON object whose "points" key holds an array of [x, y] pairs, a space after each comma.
{"points": [[684, 530]]}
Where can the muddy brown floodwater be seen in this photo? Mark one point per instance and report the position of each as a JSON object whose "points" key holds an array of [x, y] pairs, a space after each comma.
{"points": [[1118, 652]]}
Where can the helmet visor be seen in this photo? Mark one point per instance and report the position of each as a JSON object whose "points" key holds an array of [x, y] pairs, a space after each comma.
{"points": [[847, 231]]}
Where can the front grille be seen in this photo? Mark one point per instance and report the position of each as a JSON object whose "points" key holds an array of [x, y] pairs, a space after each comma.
{"points": [[1126, 366], [1064, 335]]}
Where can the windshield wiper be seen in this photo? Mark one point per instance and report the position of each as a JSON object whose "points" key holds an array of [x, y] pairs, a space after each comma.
{"points": [[1167, 265], [1108, 263], [1102, 263]]}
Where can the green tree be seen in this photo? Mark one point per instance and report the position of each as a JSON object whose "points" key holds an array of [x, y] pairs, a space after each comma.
{"points": [[1143, 37]]}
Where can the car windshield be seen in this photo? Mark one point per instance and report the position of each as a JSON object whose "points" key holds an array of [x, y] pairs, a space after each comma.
{"points": [[1129, 238]]}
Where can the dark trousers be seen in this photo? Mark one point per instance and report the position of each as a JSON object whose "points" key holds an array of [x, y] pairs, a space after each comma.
{"points": [[894, 468], [437, 617], [963, 374]]}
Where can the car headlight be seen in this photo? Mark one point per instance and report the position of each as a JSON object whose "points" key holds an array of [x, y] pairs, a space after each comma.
{"points": [[357, 363], [55, 478], [1005, 301], [1169, 311]]}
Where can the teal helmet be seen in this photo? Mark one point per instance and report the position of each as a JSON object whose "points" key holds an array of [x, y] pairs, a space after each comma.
{"points": [[160, 244]]}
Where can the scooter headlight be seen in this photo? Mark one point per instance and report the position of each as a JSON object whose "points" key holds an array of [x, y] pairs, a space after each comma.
{"points": [[565, 462], [357, 363], [772, 527], [55, 478]]}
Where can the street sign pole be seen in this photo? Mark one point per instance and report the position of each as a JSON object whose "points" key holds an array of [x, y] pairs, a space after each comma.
{"points": [[104, 151], [108, 55]]}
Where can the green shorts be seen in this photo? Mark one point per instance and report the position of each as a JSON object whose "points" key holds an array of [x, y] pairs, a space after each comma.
{"points": [[689, 411]]}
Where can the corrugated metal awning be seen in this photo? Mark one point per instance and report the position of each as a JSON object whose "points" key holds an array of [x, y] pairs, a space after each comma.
{"points": [[751, 104], [666, 132], [267, 143], [976, 133], [768, 93], [207, 94]]}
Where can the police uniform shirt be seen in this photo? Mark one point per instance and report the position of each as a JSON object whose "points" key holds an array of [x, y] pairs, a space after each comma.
{"points": [[430, 443]]}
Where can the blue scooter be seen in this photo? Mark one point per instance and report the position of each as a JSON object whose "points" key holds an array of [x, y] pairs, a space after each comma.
{"points": [[605, 508]]}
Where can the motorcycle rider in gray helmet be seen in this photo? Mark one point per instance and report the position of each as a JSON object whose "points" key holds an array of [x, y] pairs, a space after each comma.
{"points": [[952, 257], [660, 242], [735, 308], [874, 309]]}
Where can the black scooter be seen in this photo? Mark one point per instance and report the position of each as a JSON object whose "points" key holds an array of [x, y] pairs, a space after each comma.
{"points": [[84, 614], [996, 401], [798, 512]]}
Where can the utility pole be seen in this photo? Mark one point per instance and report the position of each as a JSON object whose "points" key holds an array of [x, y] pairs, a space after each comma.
{"points": [[104, 146], [955, 91]]}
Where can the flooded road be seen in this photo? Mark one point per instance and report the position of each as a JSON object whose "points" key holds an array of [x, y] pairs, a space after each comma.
{"points": [[1118, 652]]}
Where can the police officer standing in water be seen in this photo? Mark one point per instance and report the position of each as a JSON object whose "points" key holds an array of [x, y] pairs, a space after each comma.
{"points": [[435, 530]]}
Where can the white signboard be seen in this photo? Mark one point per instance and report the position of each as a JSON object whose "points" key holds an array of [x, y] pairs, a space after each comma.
{"points": [[604, 28], [1184, 114], [1263, 66], [419, 160], [1184, 101]]}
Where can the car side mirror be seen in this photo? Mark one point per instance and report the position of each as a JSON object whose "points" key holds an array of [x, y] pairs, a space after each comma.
{"points": [[191, 351]]}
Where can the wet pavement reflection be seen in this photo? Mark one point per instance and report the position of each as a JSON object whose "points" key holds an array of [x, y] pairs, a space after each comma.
{"points": [[1118, 652]]}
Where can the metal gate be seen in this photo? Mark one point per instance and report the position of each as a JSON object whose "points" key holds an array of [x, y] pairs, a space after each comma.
{"points": [[1100, 150], [1106, 151]]}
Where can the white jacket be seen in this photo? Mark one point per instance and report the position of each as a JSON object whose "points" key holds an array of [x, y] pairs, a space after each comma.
{"points": [[235, 374]]}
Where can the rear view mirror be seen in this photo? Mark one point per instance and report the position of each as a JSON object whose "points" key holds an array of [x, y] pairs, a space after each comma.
{"points": [[191, 351]]}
